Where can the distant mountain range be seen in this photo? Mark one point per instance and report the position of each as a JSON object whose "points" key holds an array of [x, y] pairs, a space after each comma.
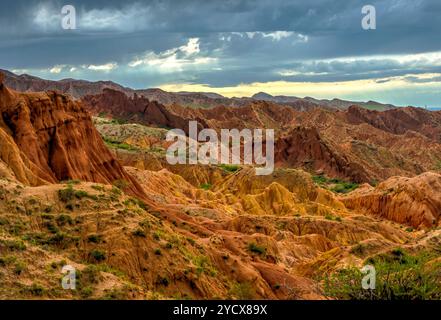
{"points": [[80, 88], [334, 103]]}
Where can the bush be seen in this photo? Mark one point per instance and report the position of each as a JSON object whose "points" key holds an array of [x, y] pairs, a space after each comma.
{"points": [[203, 265], [242, 291], [19, 267], [67, 194], [206, 186], [94, 238], [98, 255], [256, 249], [64, 219], [399, 276], [334, 184], [121, 184], [230, 167], [35, 290], [139, 233], [344, 187], [13, 245]]}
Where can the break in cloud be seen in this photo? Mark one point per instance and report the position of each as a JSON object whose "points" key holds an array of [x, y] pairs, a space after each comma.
{"points": [[234, 47]]}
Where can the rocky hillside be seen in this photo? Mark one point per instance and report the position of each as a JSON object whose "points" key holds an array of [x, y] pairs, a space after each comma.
{"points": [[47, 138], [358, 145], [148, 230]]}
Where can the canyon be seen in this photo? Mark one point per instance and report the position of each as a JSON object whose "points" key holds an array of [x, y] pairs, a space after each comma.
{"points": [[84, 181]]}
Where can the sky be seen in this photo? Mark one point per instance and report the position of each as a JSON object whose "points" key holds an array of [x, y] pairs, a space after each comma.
{"points": [[312, 48]]}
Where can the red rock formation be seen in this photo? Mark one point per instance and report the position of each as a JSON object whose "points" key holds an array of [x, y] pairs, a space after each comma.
{"points": [[304, 147], [413, 201], [399, 120], [357, 144], [56, 139]]}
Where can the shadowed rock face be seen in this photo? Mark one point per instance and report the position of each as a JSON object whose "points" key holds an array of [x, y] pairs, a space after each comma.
{"points": [[304, 147], [136, 109], [51, 138]]}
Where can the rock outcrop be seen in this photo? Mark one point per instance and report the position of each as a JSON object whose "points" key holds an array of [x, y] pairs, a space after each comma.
{"points": [[48, 137], [304, 147], [412, 201]]}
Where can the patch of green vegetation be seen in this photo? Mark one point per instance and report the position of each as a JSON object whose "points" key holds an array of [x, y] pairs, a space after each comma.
{"points": [[206, 186], [19, 267], [98, 187], [118, 121], [203, 265], [253, 247], [320, 179], [139, 233], [121, 184], [64, 219], [229, 167], [359, 249], [119, 145], [69, 193], [98, 255], [333, 218], [12, 245], [399, 276], [158, 252], [344, 187], [34, 290], [136, 202], [94, 238], [242, 291], [157, 235], [334, 184], [71, 182]]}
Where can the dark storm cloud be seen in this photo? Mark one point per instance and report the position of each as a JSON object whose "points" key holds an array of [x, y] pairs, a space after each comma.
{"points": [[315, 37]]}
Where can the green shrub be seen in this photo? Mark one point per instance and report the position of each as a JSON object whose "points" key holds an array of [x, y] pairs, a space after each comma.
{"points": [[67, 194], [98, 187], [230, 167], [206, 186], [19, 267], [119, 145], [98, 255], [139, 233], [399, 276], [121, 184], [344, 187], [242, 291], [34, 289], [358, 249], [64, 219], [13, 245], [320, 179], [94, 238], [86, 292], [203, 265], [253, 247]]}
